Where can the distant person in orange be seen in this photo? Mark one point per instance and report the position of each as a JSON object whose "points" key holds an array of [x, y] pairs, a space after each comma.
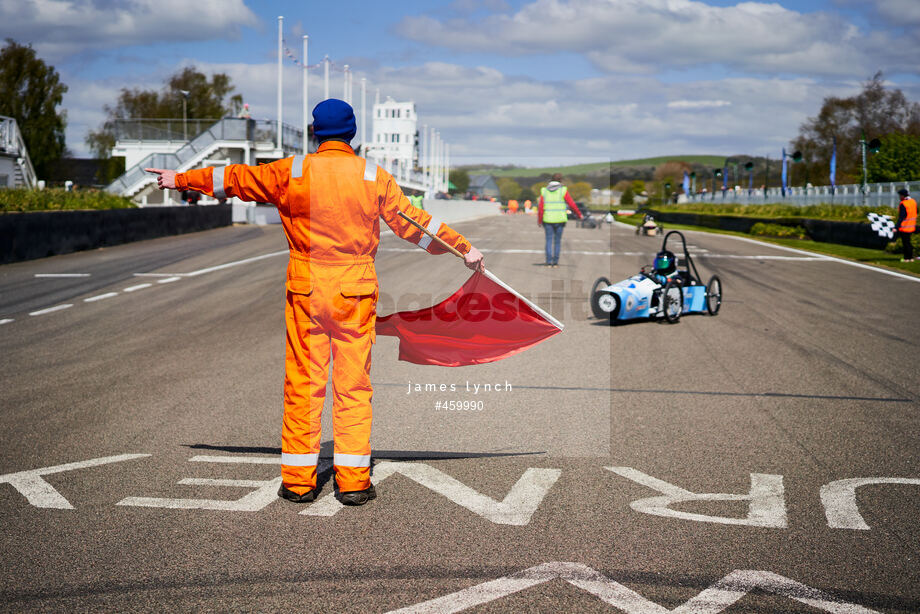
{"points": [[330, 204], [906, 223], [512, 206]]}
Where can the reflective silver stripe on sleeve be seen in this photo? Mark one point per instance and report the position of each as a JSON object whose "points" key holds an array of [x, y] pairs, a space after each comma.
{"points": [[432, 227], [351, 460], [299, 460], [297, 167], [217, 178], [370, 171]]}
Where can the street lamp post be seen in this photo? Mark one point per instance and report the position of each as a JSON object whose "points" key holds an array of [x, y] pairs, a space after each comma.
{"points": [[872, 146], [185, 95]]}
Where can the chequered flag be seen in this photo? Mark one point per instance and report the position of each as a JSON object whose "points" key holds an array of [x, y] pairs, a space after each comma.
{"points": [[882, 224]]}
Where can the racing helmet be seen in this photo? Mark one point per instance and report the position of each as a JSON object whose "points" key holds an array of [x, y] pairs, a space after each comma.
{"points": [[665, 262]]}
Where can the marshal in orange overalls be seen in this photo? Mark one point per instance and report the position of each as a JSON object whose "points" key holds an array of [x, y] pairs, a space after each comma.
{"points": [[330, 203]]}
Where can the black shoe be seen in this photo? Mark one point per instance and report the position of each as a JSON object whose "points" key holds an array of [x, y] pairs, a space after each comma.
{"points": [[359, 497], [290, 495]]}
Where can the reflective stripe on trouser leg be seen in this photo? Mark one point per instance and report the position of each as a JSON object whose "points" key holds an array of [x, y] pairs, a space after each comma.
{"points": [[306, 369], [352, 395]]}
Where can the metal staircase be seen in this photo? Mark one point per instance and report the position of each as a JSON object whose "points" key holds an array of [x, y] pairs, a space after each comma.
{"points": [[13, 147], [229, 131]]}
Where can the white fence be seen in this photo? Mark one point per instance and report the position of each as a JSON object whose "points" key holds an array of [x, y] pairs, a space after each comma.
{"points": [[876, 195]]}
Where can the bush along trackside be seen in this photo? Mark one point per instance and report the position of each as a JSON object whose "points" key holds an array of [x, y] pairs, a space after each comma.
{"points": [[761, 229], [21, 200], [886, 253], [840, 213]]}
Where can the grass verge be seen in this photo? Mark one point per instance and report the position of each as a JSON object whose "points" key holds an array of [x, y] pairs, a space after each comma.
{"points": [[857, 254]]}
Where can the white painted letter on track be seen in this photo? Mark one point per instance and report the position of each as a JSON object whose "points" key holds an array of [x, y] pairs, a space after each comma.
{"points": [[839, 499], [515, 509], [717, 598], [42, 494], [767, 503], [263, 493]]}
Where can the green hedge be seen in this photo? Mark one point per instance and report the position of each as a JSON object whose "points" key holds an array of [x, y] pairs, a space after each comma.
{"points": [[778, 230], [59, 199], [844, 213]]}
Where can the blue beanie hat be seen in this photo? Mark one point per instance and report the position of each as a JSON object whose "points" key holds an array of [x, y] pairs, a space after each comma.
{"points": [[334, 118]]}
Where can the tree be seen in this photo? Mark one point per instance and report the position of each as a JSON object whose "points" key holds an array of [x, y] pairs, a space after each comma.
{"points": [[580, 191], [508, 188], [897, 160], [873, 113], [461, 179], [30, 92], [206, 100]]}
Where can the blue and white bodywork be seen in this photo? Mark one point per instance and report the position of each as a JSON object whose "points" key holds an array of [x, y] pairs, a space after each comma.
{"points": [[651, 294]]}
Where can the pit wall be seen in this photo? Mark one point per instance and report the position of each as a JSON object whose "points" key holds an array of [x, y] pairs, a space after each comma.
{"points": [[38, 234]]}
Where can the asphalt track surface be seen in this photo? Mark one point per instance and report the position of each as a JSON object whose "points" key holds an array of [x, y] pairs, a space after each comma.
{"points": [[582, 488]]}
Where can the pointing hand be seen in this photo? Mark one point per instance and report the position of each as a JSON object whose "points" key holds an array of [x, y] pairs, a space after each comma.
{"points": [[166, 179]]}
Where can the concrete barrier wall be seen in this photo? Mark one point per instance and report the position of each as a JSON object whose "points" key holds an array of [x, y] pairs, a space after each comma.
{"points": [[856, 234], [448, 211], [26, 236], [453, 211]]}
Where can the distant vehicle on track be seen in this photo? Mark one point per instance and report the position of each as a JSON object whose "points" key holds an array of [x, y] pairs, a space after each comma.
{"points": [[668, 289]]}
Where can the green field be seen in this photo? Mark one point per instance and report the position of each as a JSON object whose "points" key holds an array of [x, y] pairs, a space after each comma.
{"points": [[593, 167]]}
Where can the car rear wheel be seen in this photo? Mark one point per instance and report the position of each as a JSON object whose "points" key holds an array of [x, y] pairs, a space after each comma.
{"points": [[672, 302], [714, 295]]}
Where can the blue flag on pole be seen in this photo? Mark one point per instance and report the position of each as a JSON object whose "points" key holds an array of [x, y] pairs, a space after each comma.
{"points": [[785, 171], [724, 178], [686, 184], [834, 166]]}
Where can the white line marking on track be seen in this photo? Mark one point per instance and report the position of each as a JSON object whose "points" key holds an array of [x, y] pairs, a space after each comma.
{"points": [[100, 297], [137, 287], [168, 280], [154, 274], [42, 312], [62, 274], [6, 321], [236, 263]]}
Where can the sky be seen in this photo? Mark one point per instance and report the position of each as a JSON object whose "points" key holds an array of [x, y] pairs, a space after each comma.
{"points": [[524, 82]]}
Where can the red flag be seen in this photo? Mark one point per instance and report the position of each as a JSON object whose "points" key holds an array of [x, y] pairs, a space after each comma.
{"points": [[484, 321]]}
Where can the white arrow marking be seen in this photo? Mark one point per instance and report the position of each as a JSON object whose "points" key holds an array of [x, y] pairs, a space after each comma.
{"points": [[767, 506], [515, 509], [42, 494], [712, 600], [839, 499]]}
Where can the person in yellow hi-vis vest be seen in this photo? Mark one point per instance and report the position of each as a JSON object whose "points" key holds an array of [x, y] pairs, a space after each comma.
{"points": [[330, 204], [551, 214]]}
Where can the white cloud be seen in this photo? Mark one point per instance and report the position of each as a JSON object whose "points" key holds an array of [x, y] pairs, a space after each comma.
{"points": [[647, 36], [698, 104], [59, 28], [486, 115]]}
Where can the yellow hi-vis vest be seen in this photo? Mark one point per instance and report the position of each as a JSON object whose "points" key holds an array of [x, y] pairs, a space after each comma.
{"points": [[554, 205]]}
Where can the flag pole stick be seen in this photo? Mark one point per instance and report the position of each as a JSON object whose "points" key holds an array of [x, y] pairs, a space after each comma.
{"points": [[433, 236]]}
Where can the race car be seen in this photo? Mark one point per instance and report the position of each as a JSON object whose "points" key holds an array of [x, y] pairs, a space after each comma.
{"points": [[664, 290]]}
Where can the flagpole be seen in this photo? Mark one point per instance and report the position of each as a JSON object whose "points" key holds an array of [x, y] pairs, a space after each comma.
{"points": [[430, 234]]}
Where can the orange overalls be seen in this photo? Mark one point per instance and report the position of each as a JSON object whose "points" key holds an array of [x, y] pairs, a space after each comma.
{"points": [[330, 203]]}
